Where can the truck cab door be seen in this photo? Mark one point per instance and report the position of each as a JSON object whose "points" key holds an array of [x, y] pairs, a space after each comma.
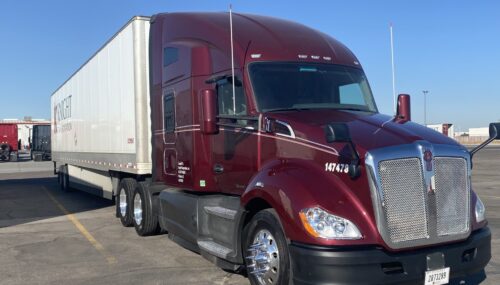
{"points": [[169, 136], [234, 153]]}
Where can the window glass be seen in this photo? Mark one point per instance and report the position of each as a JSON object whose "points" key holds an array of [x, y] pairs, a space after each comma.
{"points": [[225, 98], [281, 86], [170, 55], [351, 94], [169, 113]]}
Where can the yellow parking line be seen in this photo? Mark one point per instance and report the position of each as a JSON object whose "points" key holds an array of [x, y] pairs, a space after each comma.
{"points": [[97, 245]]}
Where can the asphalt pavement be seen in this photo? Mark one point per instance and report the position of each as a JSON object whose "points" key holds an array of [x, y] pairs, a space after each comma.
{"points": [[51, 237]]}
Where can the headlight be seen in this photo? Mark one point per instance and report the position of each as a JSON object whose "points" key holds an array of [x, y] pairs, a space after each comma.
{"points": [[480, 210], [320, 223]]}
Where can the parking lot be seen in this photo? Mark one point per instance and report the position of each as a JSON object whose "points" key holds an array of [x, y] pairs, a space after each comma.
{"points": [[51, 237]]}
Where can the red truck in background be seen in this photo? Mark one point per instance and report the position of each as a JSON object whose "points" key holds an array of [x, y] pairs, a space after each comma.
{"points": [[8, 142], [282, 166]]}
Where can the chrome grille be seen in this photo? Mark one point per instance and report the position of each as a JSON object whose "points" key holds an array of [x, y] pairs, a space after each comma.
{"points": [[404, 199], [416, 204], [452, 195]]}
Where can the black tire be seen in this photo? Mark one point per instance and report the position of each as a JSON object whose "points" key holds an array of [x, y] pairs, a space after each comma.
{"points": [[126, 186], [267, 220], [148, 224], [5, 152], [38, 157]]}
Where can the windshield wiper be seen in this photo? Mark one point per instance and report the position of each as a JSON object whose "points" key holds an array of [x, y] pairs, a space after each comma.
{"points": [[286, 109], [355, 109]]}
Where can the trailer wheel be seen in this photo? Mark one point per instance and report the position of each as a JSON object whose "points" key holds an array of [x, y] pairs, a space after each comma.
{"points": [[266, 250], [123, 201], [144, 214]]}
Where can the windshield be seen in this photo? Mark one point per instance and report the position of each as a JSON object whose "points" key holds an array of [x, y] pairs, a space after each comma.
{"points": [[298, 86]]}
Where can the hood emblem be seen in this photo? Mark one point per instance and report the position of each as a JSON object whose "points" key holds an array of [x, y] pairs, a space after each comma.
{"points": [[428, 160]]}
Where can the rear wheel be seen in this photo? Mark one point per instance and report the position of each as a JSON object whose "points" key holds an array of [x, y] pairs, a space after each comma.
{"points": [[144, 214], [266, 250], [5, 152], [123, 201], [14, 156]]}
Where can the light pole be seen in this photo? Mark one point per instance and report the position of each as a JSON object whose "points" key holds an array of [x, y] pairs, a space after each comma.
{"points": [[425, 106]]}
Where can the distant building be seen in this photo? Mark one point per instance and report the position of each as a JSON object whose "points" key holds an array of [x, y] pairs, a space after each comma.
{"points": [[446, 129], [479, 132], [25, 128]]}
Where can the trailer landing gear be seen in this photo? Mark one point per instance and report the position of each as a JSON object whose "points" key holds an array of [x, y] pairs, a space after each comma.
{"points": [[63, 178]]}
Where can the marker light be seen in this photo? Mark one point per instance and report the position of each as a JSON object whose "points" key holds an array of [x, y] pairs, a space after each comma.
{"points": [[320, 223], [480, 211]]}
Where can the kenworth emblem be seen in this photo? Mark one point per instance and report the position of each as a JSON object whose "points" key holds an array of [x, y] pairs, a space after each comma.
{"points": [[428, 160]]}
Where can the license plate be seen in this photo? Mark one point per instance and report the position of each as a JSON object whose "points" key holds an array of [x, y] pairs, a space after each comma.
{"points": [[438, 276]]}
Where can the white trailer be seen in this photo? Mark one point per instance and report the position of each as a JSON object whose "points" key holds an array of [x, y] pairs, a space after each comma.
{"points": [[101, 115]]}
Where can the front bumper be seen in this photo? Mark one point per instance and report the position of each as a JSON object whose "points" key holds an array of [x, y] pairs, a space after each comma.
{"points": [[326, 265]]}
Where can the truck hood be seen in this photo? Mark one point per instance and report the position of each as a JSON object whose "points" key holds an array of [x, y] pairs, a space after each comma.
{"points": [[368, 130]]}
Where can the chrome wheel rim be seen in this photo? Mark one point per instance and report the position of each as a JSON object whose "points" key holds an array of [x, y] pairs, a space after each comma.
{"points": [[137, 209], [263, 259], [123, 202]]}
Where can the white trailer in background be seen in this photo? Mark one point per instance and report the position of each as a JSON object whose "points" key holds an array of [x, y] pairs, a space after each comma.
{"points": [[445, 129], [101, 115]]}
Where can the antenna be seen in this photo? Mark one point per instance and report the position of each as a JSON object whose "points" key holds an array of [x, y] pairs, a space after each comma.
{"points": [[232, 56], [393, 72]]}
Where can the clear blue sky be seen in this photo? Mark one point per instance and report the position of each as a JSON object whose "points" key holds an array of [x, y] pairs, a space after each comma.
{"points": [[451, 48]]}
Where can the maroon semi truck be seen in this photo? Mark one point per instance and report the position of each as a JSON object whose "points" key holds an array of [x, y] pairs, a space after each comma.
{"points": [[8, 142], [282, 166]]}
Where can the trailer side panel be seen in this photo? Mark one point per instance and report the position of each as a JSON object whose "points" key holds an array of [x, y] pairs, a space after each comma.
{"points": [[100, 115]]}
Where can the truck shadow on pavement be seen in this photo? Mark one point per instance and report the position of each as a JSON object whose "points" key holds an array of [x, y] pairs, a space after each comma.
{"points": [[29, 200]]}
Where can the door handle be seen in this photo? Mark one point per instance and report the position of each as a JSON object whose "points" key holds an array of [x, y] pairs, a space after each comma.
{"points": [[218, 169]]}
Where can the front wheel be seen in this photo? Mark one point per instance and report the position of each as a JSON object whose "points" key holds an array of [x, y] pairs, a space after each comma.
{"points": [[266, 250]]}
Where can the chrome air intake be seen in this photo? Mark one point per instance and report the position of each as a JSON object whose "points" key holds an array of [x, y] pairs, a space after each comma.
{"points": [[404, 202], [420, 193]]}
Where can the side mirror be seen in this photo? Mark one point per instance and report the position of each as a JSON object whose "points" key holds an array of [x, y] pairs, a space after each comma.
{"points": [[495, 131], [339, 132], [209, 112], [494, 135], [403, 113]]}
